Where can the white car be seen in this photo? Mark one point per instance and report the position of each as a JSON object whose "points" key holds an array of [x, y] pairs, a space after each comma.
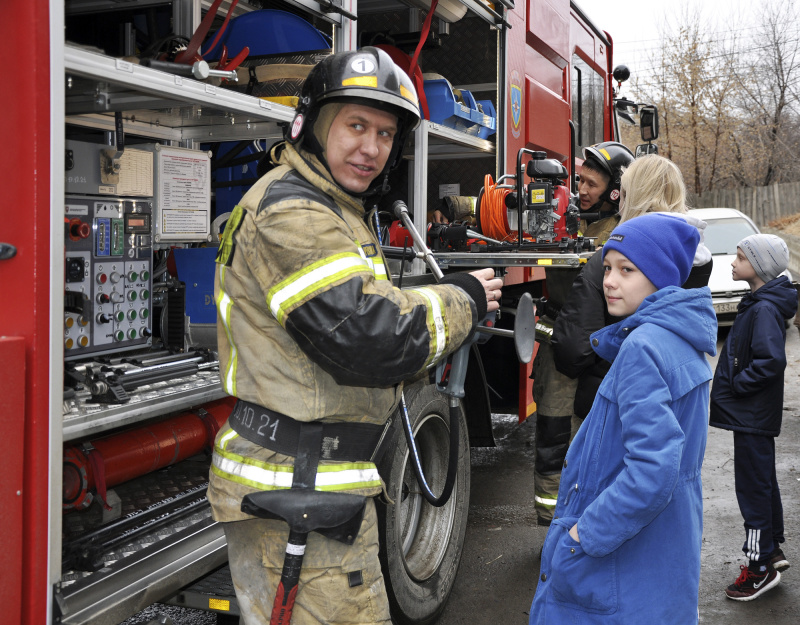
{"points": [[726, 227]]}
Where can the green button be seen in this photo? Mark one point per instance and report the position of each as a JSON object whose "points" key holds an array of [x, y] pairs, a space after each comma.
{"points": [[132, 315], [119, 335], [119, 315], [131, 333], [145, 275], [144, 313], [145, 294], [132, 296]]}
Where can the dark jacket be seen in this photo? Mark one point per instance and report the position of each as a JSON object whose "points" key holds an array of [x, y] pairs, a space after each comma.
{"points": [[583, 313], [747, 393], [632, 477]]}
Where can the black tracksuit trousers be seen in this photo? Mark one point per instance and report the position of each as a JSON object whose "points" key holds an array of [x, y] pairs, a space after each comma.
{"points": [[758, 494]]}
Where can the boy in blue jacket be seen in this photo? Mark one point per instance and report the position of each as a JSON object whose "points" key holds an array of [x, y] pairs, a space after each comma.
{"points": [[747, 397], [630, 504]]}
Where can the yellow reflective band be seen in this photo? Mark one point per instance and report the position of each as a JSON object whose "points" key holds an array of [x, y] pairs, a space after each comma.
{"points": [[375, 263], [546, 501], [379, 269], [435, 322], [361, 81], [604, 153], [224, 309], [408, 95], [226, 240], [227, 438], [544, 261], [268, 476], [311, 279]]}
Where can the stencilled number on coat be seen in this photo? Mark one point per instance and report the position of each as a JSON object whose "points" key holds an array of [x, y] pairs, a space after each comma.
{"points": [[266, 424], [248, 414]]}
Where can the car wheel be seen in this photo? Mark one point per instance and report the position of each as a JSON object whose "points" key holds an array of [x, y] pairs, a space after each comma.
{"points": [[421, 545]]}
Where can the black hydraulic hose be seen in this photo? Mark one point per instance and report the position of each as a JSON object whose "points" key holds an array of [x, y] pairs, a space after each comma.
{"points": [[452, 460]]}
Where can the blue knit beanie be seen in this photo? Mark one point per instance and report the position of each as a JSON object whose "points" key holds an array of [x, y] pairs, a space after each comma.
{"points": [[662, 246]]}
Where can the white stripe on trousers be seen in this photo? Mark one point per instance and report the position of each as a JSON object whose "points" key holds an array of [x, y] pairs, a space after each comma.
{"points": [[753, 548]]}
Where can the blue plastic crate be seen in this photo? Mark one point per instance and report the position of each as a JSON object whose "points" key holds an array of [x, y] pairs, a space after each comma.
{"points": [[465, 117], [196, 269], [486, 120], [228, 197]]}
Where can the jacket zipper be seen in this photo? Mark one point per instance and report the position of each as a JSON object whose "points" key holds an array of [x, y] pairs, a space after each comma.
{"points": [[572, 490]]}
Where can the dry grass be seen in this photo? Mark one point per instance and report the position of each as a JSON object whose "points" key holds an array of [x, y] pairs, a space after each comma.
{"points": [[789, 225]]}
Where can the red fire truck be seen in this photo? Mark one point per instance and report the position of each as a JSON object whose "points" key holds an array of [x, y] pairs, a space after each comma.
{"points": [[110, 394]]}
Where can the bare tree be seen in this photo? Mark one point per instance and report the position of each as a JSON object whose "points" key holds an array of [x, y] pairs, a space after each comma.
{"points": [[691, 84], [767, 75]]}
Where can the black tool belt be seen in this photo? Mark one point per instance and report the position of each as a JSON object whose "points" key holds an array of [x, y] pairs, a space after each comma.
{"points": [[352, 442]]}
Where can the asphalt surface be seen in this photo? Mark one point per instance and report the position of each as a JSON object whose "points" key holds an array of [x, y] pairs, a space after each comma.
{"points": [[500, 566], [499, 570]]}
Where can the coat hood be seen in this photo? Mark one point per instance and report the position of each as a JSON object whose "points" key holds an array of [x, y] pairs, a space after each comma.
{"points": [[688, 313], [312, 169], [703, 254], [779, 292]]}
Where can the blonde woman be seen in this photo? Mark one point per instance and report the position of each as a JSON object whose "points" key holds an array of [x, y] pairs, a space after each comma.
{"points": [[651, 184]]}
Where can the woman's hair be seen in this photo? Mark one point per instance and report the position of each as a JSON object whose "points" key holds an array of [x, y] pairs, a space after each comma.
{"points": [[652, 184]]}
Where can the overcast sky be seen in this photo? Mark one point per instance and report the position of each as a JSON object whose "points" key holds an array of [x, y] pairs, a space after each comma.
{"points": [[634, 26]]}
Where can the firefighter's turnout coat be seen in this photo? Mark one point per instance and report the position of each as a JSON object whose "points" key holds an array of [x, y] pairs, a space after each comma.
{"points": [[310, 325]]}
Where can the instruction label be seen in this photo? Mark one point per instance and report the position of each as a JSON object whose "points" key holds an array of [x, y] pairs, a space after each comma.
{"points": [[184, 185], [135, 173]]}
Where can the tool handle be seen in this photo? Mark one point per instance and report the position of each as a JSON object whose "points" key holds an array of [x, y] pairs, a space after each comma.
{"points": [[290, 577], [282, 608], [401, 212]]}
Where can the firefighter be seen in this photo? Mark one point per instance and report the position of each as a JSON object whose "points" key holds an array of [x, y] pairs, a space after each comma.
{"points": [[553, 392], [315, 342]]}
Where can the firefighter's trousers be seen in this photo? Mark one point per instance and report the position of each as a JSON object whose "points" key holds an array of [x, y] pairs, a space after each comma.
{"points": [[554, 394], [339, 584]]}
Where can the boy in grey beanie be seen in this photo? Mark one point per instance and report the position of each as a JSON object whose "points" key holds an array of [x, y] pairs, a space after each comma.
{"points": [[747, 397], [767, 254]]}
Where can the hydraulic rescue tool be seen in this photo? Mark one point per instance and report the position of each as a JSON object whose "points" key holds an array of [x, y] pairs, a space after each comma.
{"points": [[452, 370]]}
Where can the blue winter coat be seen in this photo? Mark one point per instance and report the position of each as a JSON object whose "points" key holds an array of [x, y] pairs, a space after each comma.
{"points": [[631, 478], [747, 393]]}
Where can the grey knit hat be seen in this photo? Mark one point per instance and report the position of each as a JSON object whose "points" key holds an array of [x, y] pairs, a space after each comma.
{"points": [[767, 253]]}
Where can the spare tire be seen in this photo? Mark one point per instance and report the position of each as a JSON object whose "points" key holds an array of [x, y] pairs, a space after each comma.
{"points": [[421, 545]]}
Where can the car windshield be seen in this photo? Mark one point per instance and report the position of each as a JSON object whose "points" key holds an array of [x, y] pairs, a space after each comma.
{"points": [[722, 235]]}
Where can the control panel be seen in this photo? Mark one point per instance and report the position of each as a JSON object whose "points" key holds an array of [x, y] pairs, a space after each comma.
{"points": [[107, 275]]}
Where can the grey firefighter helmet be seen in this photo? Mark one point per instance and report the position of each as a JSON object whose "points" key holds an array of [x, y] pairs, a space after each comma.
{"points": [[612, 158], [368, 77]]}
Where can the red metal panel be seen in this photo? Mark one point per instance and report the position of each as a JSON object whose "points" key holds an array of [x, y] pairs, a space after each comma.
{"points": [[548, 29], [25, 128], [515, 108], [543, 71], [12, 414], [548, 121]]}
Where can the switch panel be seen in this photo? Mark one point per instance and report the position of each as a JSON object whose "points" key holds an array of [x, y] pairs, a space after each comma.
{"points": [[113, 268]]}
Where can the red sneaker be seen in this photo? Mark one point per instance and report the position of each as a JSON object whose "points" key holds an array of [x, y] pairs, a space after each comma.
{"points": [[751, 584]]}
